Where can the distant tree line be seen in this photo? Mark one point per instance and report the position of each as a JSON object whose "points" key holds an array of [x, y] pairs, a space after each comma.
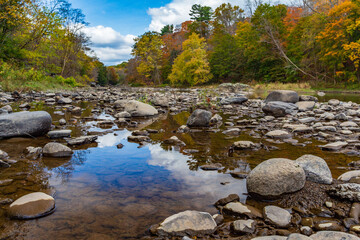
{"points": [[316, 41]]}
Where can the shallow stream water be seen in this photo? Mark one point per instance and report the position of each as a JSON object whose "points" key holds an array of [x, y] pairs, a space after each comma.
{"points": [[103, 192]]}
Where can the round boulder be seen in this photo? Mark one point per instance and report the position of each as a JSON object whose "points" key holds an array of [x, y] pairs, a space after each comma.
{"points": [[32, 205], [199, 118], [140, 109], [274, 177], [53, 149]]}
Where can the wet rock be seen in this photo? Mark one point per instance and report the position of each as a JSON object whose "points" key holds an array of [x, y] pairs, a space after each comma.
{"points": [[355, 211], [62, 121], [355, 228], [235, 100], [228, 199], [76, 111], [242, 210], [306, 230], [346, 177], [64, 101], [119, 146], [277, 216], [278, 134], [349, 191], [211, 167], [26, 124], [32, 205], [305, 106], [123, 115], [191, 223], [6, 182], [242, 145], [315, 168], [334, 146], [174, 140], [139, 109], [348, 222], [328, 226], [308, 98], [3, 155], [218, 218], [244, 226], [279, 109], [59, 133], [199, 118], [138, 139], [327, 235], [283, 96], [215, 120], [274, 177], [5, 201], [59, 150], [81, 140], [33, 152]]}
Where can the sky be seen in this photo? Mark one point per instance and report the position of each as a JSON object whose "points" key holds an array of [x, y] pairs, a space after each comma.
{"points": [[113, 24]]}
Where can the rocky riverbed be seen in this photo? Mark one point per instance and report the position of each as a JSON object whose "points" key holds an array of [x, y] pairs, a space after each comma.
{"points": [[130, 163]]}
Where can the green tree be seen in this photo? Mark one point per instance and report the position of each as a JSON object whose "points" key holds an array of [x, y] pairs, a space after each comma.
{"points": [[201, 15], [147, 48], [191, 66], [226, 17], [167, 29]]}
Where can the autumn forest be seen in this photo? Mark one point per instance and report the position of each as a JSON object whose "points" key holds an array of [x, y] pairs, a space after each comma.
{"points": [[315, 41]]}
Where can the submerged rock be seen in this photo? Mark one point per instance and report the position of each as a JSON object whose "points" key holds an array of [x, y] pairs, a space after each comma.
{"points": [[191, 223], [53, 149], [199, 118], [25, 124], [32, 205], [274, 177], [316, 169], [242, 210]]}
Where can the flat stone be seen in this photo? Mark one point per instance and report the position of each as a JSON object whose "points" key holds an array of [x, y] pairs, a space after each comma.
{"points": [[346, 177], [81, 140], [307, 120], [53, 149], [242, 145], [191, 223], [211, 167], [138, 139], [228, 199], [240, 209], [349, 191], [59, 133], [32, 205], [280, 109], [277, 216], [334, 146], [278, 134]]}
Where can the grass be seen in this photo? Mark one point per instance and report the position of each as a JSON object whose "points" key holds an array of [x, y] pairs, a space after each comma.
{"points": [[283, 86], [21, 79]]}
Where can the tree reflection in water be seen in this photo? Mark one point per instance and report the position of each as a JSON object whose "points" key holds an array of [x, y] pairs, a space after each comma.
{"points": [[64, 172]]}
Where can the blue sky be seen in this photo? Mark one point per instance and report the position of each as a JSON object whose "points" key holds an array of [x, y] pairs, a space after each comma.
{"points": [[113, 24]]}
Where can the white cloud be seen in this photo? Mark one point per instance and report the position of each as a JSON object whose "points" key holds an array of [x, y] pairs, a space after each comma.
{"points": [[110, 46], [177, 11]]}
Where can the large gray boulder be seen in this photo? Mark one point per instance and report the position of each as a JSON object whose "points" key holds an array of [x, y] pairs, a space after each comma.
{"points": [[274, 177], [199, 118], [185, 223], [279, 109], [283, 96], [32, 205], [316, 169], [139, 109], [25, 124]]}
